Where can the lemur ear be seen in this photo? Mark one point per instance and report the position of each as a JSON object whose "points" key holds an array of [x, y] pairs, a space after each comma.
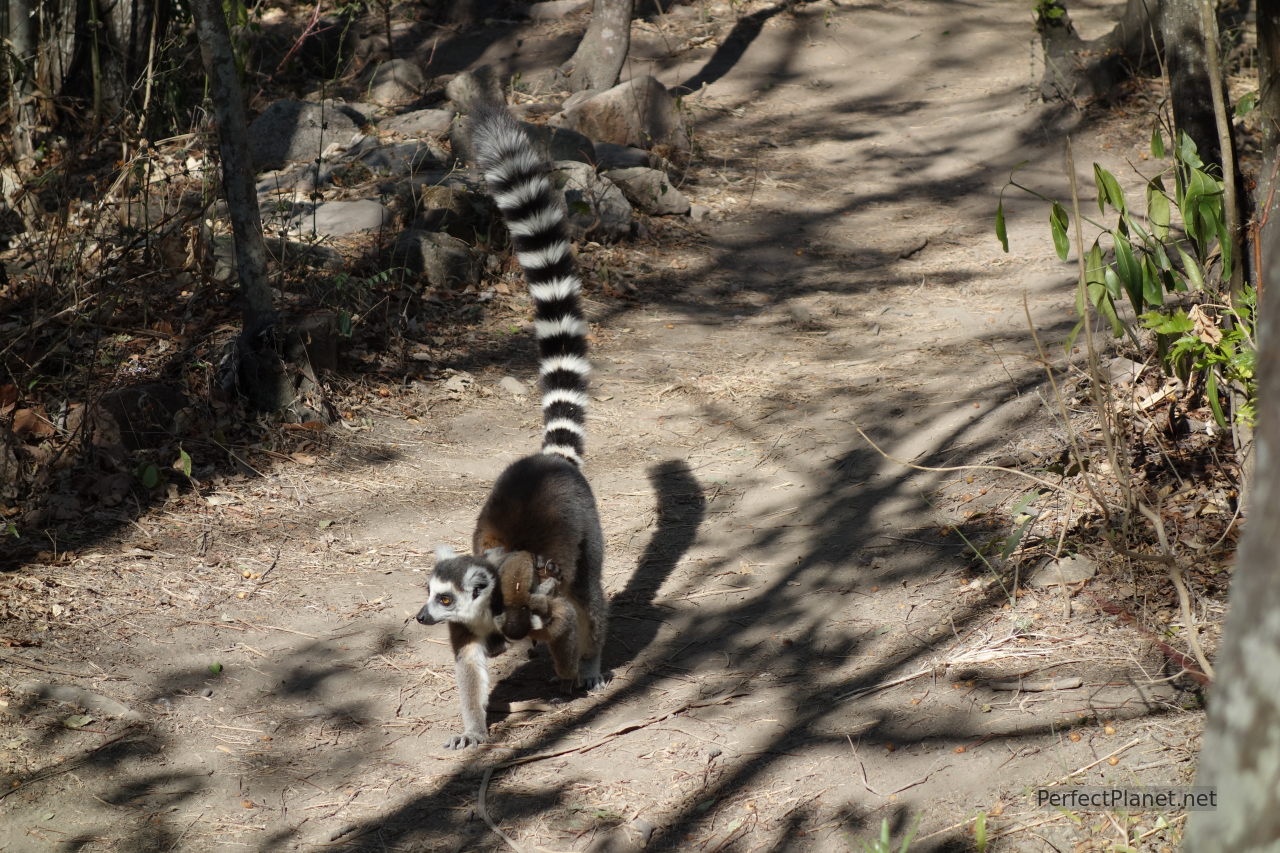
{"points": [[445, 552]]}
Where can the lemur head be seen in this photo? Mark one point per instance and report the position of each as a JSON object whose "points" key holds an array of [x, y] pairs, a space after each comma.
{"points": [[461, 589]]}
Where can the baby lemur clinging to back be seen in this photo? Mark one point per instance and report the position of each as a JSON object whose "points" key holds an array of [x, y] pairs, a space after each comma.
{"points": [[542, 504]]}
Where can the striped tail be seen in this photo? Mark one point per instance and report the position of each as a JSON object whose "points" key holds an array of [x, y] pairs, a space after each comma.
{"points": [[519, 179]]}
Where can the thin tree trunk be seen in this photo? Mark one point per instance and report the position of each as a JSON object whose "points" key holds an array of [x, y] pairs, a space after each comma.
{"points": [[260, 370], [598, 61], [21, 63], [1184, 41], [1240, 754]]}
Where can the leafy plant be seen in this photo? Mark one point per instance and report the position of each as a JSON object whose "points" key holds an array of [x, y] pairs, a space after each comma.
{"points": [[884, 844], [1152, 264]]}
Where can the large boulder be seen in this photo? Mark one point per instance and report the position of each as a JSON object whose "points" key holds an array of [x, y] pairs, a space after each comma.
{"points": [[442, 259], [639, 112], [292, 131], [396, 81], [650, 190], [597, 209]]}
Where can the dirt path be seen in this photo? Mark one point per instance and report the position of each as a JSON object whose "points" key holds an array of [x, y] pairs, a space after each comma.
{"points": [[800, 649]]}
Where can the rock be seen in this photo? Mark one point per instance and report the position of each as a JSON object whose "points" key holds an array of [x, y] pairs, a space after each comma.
{"points": [[698, 212], [553, 10], [1122, 370], [597, 209], [512, 386], [338, 218], [553, 143], [405, 158], [442, 259], [649, 190], [448, 203], [421, 123], [81, 698], [143, 413], [639, 112], [1068, 570], [299, 130], [472, 87], [291, 255], [396, 81]]}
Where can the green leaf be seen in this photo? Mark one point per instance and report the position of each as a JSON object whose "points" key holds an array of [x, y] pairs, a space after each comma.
{"points": [[1152, 289], [1157, 142], [1058, 225], [1001, 234], [215, 668], [184, 462], [1128, 269], [1158, 209], [1109, 187], [1191, 269], [1211, 391], [149, 475], [1187, 152], [1111, 284], [1177, 323], [1248, 103], [344, 323]]}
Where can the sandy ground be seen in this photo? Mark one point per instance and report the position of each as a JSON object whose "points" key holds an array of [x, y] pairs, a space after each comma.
{"points": [[800, 647]]}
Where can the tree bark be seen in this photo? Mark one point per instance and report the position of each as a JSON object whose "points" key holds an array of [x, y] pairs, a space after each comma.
{"points": [[259, 369], [1182, 30], [1241, 750], [1075, 68], [598, 61], [20, 63]]}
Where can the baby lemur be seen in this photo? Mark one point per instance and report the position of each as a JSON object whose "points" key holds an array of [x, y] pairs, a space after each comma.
{"points": [[542, 504]]}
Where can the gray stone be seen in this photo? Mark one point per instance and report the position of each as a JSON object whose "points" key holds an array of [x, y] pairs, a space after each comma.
{"points": [[474, 87], [71, 695], [396, 81], [1123, 370], [650, 190], [448, 203], [597, 209], [553, 10], [639, 112], [1067, 570], [512, 386], [289, 131], [699, 212], [404, 158], [337, 218], [443, 260], [421, 123]]}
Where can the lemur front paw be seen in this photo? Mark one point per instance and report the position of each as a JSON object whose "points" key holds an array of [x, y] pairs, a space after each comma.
{"points": [[465, 740]]}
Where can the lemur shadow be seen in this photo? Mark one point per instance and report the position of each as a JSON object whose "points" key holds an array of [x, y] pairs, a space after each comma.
{"points": [[633, 619]]}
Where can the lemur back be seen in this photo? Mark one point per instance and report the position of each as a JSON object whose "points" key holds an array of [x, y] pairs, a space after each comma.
{"points": [[541, 504]]}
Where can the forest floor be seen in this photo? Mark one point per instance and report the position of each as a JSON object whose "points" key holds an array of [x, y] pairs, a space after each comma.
{"points": [[802, 645]]}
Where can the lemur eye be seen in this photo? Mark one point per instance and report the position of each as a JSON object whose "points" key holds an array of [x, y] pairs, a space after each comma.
{"points": [[446, 600]]}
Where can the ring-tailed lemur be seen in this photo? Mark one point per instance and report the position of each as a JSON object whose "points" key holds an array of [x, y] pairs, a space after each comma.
{"points": [[542, 503]]}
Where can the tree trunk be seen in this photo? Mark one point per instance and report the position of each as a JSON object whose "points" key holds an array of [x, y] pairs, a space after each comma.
{"points": [[1182, 30], [259, 369], [1075, 68], [1241, 750], [598, 61], [20, 63], [1267, 203]]}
